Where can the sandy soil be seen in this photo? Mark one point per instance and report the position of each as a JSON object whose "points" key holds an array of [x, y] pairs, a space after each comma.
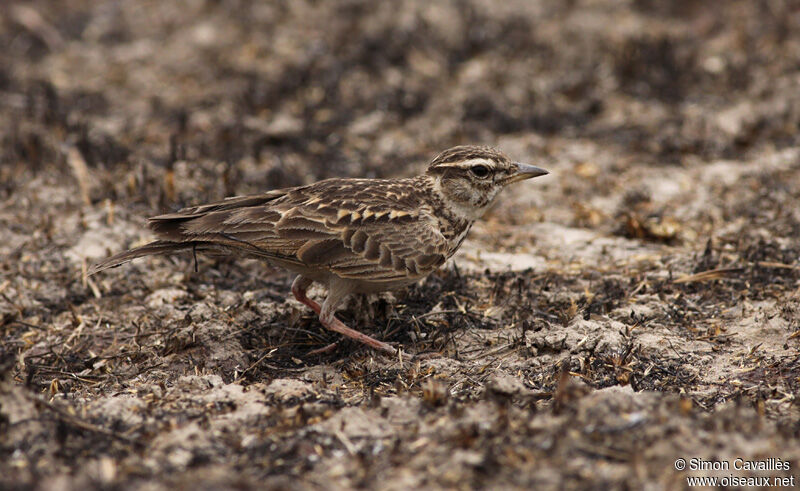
{"points": [[639, 305]]}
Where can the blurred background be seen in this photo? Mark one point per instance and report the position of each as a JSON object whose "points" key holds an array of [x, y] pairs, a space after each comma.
{"points": [[640, 303], [177, 102]]}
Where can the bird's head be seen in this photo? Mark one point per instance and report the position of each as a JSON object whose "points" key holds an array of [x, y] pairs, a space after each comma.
{"points": [[470, 177]]}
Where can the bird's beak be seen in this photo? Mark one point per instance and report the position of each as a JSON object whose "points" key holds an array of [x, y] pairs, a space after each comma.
{"points": [[525, 171]]}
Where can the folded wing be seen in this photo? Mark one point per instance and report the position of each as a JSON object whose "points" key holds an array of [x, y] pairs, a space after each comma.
{"points": [[371, 238]]}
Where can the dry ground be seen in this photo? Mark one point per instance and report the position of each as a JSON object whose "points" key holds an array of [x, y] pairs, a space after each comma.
{"points": [[640, 304]]}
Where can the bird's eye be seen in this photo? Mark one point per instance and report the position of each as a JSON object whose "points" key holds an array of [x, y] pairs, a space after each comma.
{"points": [[480, 171]]}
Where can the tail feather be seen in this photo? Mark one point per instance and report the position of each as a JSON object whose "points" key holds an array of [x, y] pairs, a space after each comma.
{"points": [[222, 246], [153, 249], [172, 229]]}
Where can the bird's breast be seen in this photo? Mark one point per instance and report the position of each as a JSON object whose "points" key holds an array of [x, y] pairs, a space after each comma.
{"points": [[455, 231], [458, 238]]}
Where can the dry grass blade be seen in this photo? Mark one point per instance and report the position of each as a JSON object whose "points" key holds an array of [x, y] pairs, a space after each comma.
{"points": [[78, 165], [719, 273], [712, 274]]}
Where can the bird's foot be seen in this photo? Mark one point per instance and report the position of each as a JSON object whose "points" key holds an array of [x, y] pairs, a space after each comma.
{"points": [[335, 324]]}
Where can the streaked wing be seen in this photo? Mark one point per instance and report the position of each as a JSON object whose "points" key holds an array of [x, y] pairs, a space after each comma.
{"points": [[175, 226], [387, 249], [362, 229]]}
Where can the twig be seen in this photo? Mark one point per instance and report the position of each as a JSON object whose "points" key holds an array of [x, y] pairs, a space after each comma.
{"points": [[714, 337], [348, 445], [453, 311], [79, 423], [266, 355]]}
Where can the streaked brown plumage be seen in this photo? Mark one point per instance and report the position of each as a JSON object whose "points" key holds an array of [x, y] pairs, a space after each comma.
{"points": [[352, 235]]}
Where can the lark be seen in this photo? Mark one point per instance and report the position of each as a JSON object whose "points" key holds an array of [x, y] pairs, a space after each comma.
{"points": [[350, 235]]}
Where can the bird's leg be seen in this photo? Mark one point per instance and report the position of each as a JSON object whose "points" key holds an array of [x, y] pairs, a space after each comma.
{"points": [[327, 311], [299, 287], [329, 320]]}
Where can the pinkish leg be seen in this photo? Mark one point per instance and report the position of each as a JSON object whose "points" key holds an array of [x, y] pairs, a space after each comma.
{"points": [[299, 287], [327, 317], [335, 324]]}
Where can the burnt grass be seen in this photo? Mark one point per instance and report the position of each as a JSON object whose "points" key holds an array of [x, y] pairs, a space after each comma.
{"points": [[639, 304]]}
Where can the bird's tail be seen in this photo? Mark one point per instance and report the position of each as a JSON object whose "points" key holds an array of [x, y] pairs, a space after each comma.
{"points": [[201, 228], [152, 249]]}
